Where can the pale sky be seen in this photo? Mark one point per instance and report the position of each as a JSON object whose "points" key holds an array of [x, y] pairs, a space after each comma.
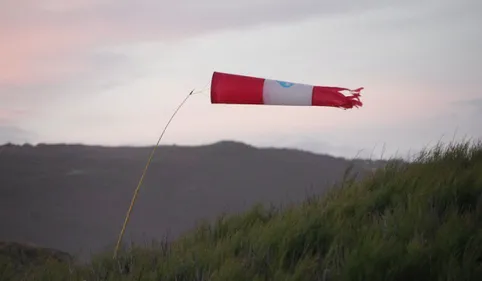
{"points": [[111, 72]]}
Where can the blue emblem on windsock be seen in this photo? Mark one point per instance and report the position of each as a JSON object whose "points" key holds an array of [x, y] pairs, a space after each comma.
{"points": [[285, 84]]}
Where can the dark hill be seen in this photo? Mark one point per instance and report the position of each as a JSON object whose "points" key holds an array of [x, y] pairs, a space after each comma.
{"points": [[74, 198]]}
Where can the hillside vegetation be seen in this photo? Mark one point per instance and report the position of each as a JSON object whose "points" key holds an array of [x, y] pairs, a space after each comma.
{"points": [[417, 221]]}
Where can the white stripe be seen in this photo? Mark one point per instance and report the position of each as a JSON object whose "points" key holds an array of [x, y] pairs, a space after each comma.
{"points": [[284, 93]]}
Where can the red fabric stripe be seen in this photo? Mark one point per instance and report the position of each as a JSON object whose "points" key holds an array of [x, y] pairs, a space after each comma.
{"points": [[236, 89], [331, 96]]}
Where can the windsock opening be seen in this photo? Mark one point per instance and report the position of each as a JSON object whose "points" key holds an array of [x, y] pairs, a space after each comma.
{"points": [[236, 89]]}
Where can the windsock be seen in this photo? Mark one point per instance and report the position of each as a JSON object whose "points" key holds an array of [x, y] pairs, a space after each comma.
{"points": [[239, 89]]}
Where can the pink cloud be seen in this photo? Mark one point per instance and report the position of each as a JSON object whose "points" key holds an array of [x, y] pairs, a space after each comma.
{"points": [[9, 115], [47, 50], [42, 53]]}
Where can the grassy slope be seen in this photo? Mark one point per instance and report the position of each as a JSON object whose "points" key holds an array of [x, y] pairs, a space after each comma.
{"points": [[421, 221]]}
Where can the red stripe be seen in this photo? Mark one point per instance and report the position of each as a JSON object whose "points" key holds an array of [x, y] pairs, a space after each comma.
{"points": [[331, 96], [236, 89]]}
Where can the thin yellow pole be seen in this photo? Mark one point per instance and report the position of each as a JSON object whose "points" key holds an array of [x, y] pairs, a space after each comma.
{"points": [[136, 192]]}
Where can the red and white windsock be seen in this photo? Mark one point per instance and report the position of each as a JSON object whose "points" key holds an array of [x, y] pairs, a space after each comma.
{"points": [[239, 89]]}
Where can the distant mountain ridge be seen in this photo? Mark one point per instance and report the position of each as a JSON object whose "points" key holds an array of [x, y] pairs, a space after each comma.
{"points": [[74, 197]]}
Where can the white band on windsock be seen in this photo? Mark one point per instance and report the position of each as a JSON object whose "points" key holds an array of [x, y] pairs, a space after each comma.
{"points": [[282, 93]]}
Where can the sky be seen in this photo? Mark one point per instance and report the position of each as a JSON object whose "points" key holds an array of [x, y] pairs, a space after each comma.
{"points": [[111, 72]]}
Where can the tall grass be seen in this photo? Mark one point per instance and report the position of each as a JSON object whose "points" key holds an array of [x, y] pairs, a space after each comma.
{"points": [[416, 221]]}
